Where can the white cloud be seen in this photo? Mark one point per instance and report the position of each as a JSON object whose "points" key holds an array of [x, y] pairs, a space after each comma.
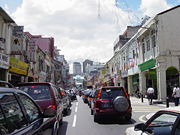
{"points": [[153, 7], [75, 25]]}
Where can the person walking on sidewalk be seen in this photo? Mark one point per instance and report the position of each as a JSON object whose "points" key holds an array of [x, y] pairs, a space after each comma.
{"points": [[150, 94], [176, 94]]}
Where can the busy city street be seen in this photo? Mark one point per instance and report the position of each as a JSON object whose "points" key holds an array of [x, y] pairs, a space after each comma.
{"points": [[79, 121], [89, 67]]}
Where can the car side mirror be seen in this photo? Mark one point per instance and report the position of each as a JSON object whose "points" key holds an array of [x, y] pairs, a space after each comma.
{"points": [[140, 126], [49, 112]]}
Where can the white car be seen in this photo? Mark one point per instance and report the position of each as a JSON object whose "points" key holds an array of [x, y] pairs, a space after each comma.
{"points": [[164, 122]]}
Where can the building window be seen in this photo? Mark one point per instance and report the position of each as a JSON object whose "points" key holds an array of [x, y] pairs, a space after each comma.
{"points": [[148, 45], [153, 40], [134, 54], [143, 48]]}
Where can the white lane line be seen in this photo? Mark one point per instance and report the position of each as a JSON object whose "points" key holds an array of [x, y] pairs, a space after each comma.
{"points": [[74, 121], [76, 109], [141, 118], [77, 103]]}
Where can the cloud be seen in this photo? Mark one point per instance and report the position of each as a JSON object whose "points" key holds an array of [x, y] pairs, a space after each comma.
{"points": [[153, 7], [75, 25]]}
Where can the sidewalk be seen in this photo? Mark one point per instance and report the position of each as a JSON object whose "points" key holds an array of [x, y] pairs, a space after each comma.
{"points": [[135, 100]]}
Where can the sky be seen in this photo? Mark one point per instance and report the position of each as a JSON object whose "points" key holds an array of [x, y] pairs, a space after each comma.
{"points": [[82, 29]]}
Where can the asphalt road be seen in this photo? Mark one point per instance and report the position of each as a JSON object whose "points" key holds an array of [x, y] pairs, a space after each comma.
{"points": [[79, 121]]}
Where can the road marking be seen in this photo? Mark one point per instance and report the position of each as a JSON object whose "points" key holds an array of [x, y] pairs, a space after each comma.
{"points": [[74, 121], [141, 118], [77, 103], [76, 109]]}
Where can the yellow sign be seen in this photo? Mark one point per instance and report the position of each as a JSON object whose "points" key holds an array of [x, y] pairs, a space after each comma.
{"points": [[18, 66]]}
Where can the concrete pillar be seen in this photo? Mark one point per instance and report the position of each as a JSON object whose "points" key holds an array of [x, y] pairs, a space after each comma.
{"points": [[130, 87], [142, 82], [161, 83]]}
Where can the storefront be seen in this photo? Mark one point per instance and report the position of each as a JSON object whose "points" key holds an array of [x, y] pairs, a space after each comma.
{"points": [[4, 65], [148, 69], [17, 71]]}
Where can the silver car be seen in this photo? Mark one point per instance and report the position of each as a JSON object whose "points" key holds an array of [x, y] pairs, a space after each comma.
{"points": [[164, 122]]}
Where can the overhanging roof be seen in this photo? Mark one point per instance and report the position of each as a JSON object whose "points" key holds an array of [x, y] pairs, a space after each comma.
{"points": [[5, 16]]}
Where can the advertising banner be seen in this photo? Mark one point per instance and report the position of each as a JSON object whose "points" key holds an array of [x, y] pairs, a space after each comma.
{"points": [[18, 66], [32, 50], [17, 40]]}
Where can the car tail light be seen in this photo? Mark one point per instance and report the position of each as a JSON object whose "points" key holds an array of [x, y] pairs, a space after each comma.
{"points": [[53, 107], [99, 94]]}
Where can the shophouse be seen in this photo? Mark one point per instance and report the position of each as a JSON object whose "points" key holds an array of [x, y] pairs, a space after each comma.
{"points": [[5, 43], [160, 53]]}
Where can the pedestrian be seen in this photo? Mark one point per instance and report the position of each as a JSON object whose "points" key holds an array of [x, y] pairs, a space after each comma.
{"points": [[176, 94], [150, 94]]}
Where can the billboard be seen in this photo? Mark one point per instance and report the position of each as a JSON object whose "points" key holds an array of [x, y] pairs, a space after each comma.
{"points": [[17, 40]]}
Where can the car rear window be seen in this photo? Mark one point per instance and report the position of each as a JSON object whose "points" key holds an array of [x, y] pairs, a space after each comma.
{"points": [[111, 93], [37, 92]]}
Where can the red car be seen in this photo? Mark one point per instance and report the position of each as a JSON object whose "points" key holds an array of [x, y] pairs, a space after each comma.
{"points": [[111, 101], [46, 96]]}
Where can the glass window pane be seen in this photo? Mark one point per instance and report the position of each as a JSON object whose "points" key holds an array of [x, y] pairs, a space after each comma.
{"points": [[3, 125], [37, 92], [30, 107], [13, 113], [163, 124]]}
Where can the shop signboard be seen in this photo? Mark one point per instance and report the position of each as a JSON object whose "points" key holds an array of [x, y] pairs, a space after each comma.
{"points": [[124, 74], [18, 66], [147, 65], [32, 50], [17, 40], [133, 70], [4, 61]]}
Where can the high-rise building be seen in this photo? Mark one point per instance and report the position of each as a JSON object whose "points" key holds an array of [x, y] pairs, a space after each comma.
{"points": [[77, 68], [85, 63]]}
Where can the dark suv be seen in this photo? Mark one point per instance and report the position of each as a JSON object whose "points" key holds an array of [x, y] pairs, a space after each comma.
{"points": [[111, 101], [46, 96], [20, 115]]}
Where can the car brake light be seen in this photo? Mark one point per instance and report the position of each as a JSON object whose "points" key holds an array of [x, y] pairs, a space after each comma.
{"points": [[52, 106], [99, 94], [33, 86]]}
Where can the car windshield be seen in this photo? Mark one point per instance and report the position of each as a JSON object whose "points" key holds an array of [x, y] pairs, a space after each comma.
{"points": [[165, 119], [37, 92], [112, 93]]}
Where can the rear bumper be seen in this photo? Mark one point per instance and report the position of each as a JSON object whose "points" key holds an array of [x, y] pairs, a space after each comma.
{"points": [[112, 112]]}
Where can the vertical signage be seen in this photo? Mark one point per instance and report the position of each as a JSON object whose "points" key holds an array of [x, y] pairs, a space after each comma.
{"points": [[32, 50], [17, 40]]}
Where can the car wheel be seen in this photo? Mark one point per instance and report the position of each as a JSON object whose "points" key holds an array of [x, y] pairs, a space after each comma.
{"points": [[128, 117], [96, 118], [121, 104]]}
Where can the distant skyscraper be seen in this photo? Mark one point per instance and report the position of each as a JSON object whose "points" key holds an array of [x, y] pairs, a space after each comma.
{"points": [[85, 63], [77, 68]]}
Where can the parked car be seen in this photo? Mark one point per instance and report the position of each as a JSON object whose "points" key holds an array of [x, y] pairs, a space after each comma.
{"points": [[85, 95], [19, 114], [111, 101], [65, 100], [164, 122], [90, 97], [6, 84], [46, 96]]}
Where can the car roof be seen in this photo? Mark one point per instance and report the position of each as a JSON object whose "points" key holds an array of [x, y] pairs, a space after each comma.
{"points": [[110, 87], [175, 109], [3, 89], [29, 83]]}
